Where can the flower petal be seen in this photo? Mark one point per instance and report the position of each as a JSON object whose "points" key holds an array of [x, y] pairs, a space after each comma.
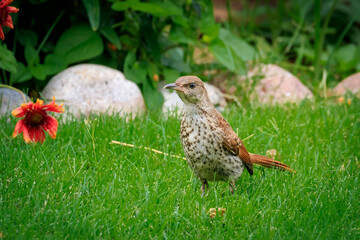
{"points": [[27, 106], [26, 134], [39, 103], [22, 110], [12, 9], [53, 107], [2, 36], [8, 22], [18, 112], [20, 127], [50, 125], [4, 3], [37, 134]]}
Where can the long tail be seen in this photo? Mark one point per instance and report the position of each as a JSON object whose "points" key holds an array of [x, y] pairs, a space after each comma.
{"points": [[268, 162]]}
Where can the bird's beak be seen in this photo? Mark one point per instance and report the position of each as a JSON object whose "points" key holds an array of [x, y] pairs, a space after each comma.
{"points": [[173, 86]]}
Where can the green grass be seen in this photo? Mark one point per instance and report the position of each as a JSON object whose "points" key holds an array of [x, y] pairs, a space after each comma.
{"points": [[81, 186]]}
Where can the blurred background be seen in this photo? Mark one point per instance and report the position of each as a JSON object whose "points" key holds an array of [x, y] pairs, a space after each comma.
{"points": [[318, 41]]}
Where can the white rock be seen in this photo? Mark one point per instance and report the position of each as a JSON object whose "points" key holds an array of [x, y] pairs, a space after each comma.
{"points": [[278, 85], [10, 99], [91, 88], [351, 84], [172, 100]]}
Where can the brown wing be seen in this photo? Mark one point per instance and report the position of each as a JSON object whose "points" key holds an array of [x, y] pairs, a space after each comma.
{"points": [[234, 144]]}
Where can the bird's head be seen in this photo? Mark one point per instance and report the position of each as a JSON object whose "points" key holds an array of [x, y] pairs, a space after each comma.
{"points": [[190, 89]]}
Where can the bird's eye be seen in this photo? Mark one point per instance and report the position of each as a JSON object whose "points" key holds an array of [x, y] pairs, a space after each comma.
{"points": [[192, 85]]}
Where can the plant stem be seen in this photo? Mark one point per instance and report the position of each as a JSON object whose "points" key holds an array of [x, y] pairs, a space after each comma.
{"points": [[47, 36], [146, 148], [320, 34], [344, 32], [317, 39], [4, 76], [228, 8], [280, 14], [299, 56], [15, 89], [295, 36]]}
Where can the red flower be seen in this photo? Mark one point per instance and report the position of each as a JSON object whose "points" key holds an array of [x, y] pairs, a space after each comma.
{"points": [[36, 120], [5, 18]]}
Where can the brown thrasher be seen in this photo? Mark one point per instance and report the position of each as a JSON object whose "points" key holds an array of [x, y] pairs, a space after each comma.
{"points": [[213, 150]]}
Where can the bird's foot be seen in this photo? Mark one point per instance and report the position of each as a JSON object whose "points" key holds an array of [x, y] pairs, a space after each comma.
{"points": [[204, 186], [232, 186]]}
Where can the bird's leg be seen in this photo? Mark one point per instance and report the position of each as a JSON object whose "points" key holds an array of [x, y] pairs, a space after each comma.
{"points": [[203, 186], [232, 186]]}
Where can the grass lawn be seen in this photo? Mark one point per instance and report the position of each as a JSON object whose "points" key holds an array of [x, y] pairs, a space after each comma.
{"points": [[81, 186]]}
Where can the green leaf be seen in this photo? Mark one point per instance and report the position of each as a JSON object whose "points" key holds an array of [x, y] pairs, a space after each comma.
{"points": [[106, 61], [211, 33], [177, 35], [23, 74], [36, 69], [263, 47], [208, 27], [151, 40], [181, 20], [309, 54], [54, 64], [158, 9], [174, 58], [27, 36], [357, 67], [171, 75], [39, 71], [111, 35], [7, 59], [31, 55], [93, 12], [222, 54], [153, 98], [132, 69], [347, 57], [79, 43], [227, 57], [151, 68], [206, 13], [241, 48], [120, 6]]}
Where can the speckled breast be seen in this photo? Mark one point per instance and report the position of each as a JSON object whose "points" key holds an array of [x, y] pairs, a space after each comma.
{"points": [[205, 153]]}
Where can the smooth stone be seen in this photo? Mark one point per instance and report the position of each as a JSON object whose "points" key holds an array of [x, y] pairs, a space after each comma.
{"points": [[351, 84], [11, 99], [90, 88], [278, 85]]}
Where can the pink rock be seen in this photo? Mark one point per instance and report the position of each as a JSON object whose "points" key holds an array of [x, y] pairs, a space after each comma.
{"points": [[351, 83], [278, 85]]}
